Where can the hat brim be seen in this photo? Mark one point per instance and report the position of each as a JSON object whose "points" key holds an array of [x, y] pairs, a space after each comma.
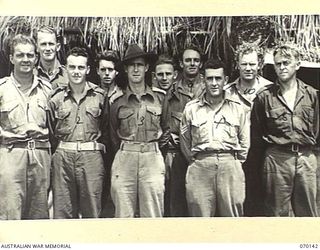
{"points": [[149, 57]]}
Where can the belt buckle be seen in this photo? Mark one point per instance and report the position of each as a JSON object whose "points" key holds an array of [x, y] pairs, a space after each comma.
{"points": [[142, 148], [78, 146], [295, 148], [31, 145]]}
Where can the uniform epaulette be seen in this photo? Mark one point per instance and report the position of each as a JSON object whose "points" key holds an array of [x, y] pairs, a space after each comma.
{"points": [[4, 79], [264, 88], [57, 90], [196, 100], [99, 90], [115, 95], [155, 89], [45, 83], [228, 85]]}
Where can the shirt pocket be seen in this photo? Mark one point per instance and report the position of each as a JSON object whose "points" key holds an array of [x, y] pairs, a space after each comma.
{"points": [[40, 114], [175, 120], [199, 132], [306, 120], [226, 129], [12, 115], [127, 120], [64, 124], [153, 117], [278, 120], [231, 127], [93, 119]]}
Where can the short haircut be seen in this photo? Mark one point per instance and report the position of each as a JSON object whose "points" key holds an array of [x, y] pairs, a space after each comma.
{"points": [[108, 55], [287, 50], [165, 59], [247, 48], [77, 51], [195, 48], [215, 63], [46, 29], [21, 39]]}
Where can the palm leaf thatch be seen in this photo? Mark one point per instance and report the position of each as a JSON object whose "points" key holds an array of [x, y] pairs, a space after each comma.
{"points": [[217, 36]]}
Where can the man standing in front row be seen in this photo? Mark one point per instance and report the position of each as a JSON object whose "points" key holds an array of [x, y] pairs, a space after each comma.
{"points": [[138, 170], [189, 87], [78, 120], [24, 137], [285, 121], [215, 140]]}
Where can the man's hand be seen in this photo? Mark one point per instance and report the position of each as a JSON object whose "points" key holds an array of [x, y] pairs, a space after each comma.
{"points": [[175, 140]]}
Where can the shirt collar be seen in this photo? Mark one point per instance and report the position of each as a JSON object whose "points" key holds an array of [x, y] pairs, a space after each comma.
{"points": [[148, 92], [87, 88], [300, 87], [57, 67], [35, 81], [227, 98]]}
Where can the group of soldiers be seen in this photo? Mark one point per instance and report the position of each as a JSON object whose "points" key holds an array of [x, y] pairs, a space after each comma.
{"points": [[186, 145]]}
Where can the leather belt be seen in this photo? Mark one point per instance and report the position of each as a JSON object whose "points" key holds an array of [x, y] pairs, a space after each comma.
{"points": [[231, 153], [81, 146], [31, 144], [292, 147], [139, 146]]}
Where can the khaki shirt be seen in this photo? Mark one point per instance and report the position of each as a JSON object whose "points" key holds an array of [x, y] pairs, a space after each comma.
{"points": [[136, 119], [57, 78], [175, 101], [79, 122], [204, 130], [273, 122], [23, 115], [233, 89]]}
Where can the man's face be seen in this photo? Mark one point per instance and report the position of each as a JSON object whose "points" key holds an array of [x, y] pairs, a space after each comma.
{"points": [[77, 69], [107, 72], [248, 66], [165, 75], [136, 69], [23, 58], [191, 63], [215, 80], [285, 66], [47, 46]]}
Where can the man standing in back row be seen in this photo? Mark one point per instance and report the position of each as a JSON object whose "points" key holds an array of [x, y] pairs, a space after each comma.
{"points": [[189, 87], [49, 67], [245, 88], [285, 121]]}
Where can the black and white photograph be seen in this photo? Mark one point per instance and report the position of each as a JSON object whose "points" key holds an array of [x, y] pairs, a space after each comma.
{"points": [[148, 117]]}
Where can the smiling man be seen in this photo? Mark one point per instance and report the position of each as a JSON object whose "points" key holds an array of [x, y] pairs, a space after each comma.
{"points": [[215, 140], [24, 136], [164, 72], [49, 67], [78, 126], [285, 121], [189, 87]]}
